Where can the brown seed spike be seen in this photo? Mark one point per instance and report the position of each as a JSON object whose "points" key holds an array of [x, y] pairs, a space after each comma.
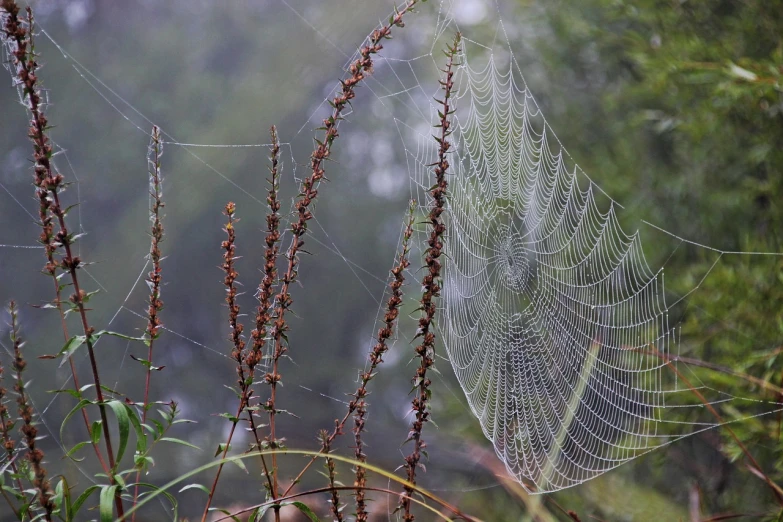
{"points": [[431, 288]]}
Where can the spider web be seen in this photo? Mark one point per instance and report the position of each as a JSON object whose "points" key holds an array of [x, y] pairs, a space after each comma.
{"points": [[557, 328]]}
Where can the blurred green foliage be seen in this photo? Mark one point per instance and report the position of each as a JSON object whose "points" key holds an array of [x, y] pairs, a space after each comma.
{"points": [[675, 108]]}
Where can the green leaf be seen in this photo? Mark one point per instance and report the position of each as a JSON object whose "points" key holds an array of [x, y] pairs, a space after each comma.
{"points": [[80, 500], [107, 503], [76, 448], [159, 429], [123, 423], [81, 404], [230, 417], [57, 499], [225, 512], [65, 508], [95, 432], [179, 441], [199, 487], [169, 496], [742, 73], [71, 345], [98, 335], [306, 510], [240, 465]]}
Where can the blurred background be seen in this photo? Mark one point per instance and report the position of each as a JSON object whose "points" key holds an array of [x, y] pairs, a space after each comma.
{"points": [[674, 108]]}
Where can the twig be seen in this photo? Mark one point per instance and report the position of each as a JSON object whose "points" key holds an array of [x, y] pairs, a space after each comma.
{"points": [[326, 448]]}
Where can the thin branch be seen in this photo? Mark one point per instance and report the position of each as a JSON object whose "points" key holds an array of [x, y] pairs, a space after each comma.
{"points": [[457, 513]]}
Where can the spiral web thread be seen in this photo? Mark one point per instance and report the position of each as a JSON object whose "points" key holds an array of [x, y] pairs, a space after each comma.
{"points": [[556, 327]]}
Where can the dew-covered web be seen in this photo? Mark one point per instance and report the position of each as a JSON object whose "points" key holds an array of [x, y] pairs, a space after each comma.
{"points": [[557, 328]]}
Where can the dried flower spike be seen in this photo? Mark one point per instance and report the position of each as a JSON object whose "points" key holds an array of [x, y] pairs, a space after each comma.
{"points": [[431, 283], [359, 403], [49, 184], [358, 70], [34, 455]]}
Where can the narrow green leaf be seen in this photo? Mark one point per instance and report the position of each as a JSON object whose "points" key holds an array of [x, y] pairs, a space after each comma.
{"points": [[169, 496], [71, 345], [159, 428], [65, 509], [179, 441], [81, 404], [98, 335], [225, 512], [107, 503], [141, 437], [199, 487], [95, 432], [241, 465], [123, 423], [306, 510], [742, 73], [77, 447], [80, 500], [258, 514]]}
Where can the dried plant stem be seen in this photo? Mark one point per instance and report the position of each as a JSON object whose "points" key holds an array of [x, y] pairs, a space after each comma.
{"points": [[154, 278], [229, 245], [34, 455], [431, 284], [21, 35], [358, 405], [266, 292], [446, 506], [331, 473], [6, 423], [359, 69], [48, 186]]}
